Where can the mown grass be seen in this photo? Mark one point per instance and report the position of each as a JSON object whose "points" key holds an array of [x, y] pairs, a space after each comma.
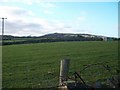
{"points": [[29, 65]]}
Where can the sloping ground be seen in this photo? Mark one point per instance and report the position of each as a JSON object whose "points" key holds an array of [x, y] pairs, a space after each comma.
{"points": [[37, 65]]}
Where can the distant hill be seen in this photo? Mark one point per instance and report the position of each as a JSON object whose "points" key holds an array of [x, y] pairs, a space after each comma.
{"points": [[58, 35], [64, 35], [71, 35], [53, 37]]}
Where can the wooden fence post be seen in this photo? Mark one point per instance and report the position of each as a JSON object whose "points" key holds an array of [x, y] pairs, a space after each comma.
{"points": [[64, 68]]}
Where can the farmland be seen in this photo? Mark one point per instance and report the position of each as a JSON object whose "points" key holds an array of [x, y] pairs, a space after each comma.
{"points": [[28, 65]]}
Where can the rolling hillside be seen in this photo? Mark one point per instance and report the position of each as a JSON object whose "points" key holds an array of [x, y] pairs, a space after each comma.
{"points": [[28, 65], [54, 37]]}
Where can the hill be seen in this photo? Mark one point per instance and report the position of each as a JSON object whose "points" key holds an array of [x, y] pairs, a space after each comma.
{"points": [[53, 37], [64, 35]]}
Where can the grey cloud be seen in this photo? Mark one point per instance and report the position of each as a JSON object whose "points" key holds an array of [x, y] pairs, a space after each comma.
{"points": [[14, 27], [20, 12], [67, 27], [19, 27], [32, 25]]}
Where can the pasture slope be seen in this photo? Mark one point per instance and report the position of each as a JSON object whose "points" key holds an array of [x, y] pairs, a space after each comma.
{"points": [[37, 65]]}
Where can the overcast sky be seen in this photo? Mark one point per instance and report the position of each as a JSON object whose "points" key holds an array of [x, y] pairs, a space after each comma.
{"points": [[36, 18]]}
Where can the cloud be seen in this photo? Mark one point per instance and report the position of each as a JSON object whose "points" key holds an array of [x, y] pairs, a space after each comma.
{"points": [[22, 28], [38, 28], [82, 18], [48, 12], [27, 2], [22, 22], [80, 21], [18, 20], [13, 13], [42, 3], [47, 5]]}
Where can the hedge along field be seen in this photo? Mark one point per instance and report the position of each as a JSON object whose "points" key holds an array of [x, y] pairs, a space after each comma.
{"points": [[37, 65]]}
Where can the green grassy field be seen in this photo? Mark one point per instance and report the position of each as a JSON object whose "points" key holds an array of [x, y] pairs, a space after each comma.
{"points": [[29, 65]]}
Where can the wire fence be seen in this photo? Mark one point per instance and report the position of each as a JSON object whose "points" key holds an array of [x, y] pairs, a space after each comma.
{"points": [[29, 77]]}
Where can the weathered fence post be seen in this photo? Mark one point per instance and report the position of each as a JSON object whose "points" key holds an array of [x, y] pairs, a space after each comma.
{"points": [[64, 68]]}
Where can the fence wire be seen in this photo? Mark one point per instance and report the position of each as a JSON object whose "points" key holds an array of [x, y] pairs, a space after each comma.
{"points": [[24, 76]]}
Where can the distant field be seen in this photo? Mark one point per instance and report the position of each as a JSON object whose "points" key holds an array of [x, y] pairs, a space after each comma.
{"points": [[29, 65]]}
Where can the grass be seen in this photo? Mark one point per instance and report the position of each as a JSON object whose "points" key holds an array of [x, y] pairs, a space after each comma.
{"points": [[29, 65]]}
